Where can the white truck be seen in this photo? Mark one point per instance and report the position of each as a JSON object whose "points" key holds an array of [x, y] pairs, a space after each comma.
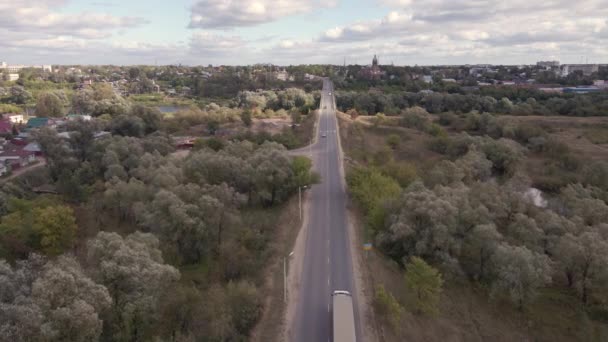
{"points": [[343, 317]]}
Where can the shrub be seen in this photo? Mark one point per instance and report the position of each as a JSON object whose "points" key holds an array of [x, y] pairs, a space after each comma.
{"points": [[387, 306], [424, 283], [393, 141]]}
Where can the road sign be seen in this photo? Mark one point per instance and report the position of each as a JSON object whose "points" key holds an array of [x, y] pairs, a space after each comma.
{"points": [[367, 246]]}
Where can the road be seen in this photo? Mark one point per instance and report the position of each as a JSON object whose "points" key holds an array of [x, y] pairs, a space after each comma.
{"points": [[327, 264]]}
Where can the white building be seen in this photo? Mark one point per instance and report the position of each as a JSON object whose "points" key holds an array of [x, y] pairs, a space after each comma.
{"points": [[14, 118], [282, 75], [587, 69], [13, 77], [15, 69]]}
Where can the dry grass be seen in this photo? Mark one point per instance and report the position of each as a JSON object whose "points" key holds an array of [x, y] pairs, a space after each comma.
{"points": [[587, 137]]}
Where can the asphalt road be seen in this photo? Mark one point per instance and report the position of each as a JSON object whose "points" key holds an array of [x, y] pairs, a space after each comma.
{"points": [[327, 264]]}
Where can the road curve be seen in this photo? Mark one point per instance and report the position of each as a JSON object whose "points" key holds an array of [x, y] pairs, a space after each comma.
{"points": [[327, 264]]}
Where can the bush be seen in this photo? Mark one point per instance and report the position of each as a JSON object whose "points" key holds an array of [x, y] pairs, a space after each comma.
{"points": [[393, 141], [387, 307], [424, 283]]}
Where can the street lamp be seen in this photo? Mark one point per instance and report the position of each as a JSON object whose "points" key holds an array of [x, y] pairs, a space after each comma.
{"points": [[285, 276]]}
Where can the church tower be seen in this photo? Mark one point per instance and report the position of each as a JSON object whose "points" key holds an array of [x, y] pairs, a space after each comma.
{"points": [[375, 61]]}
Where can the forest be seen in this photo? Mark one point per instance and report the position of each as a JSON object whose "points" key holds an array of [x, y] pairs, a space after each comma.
{"points": [[453, 191], [122, 237]]}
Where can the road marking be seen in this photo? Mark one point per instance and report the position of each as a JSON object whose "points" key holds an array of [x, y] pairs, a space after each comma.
{"points": [[328, 282], [328, 260]]}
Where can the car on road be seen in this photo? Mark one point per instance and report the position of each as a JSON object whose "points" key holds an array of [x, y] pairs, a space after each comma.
{"points": [[329, 93], [324, 107], [323, 135]]}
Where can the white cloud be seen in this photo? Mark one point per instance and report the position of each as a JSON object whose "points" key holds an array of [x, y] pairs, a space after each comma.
{"points": [[234, 13], [40, 19]]}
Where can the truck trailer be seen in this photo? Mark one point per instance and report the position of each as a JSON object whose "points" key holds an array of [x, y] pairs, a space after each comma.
{"points": [[343, 317]]}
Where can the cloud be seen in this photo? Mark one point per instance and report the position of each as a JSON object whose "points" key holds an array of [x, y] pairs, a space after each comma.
{"points": [[39, 19], [209, 44], [221, 14]]}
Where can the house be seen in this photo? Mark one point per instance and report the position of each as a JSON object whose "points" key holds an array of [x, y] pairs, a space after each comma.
{"points": [[74, 117], [3, 169], [37, 122], [33, 147], [6, 127], [16, 156], [14, 118]]}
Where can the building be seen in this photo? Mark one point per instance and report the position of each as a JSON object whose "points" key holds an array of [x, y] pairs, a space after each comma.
{"points": [[15, 156], [14, 118], [581, 90], [586, 69], [37, 122], [548, 65], [372, 72], [282, 75], [6, 127], [15, 69], [13, 77]]}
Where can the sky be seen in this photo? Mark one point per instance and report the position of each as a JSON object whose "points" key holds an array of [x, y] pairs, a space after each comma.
{"points": [[289, 32]]}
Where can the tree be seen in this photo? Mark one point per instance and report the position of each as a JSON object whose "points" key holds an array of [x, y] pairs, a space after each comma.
{"points": [[480, 245], [133, 271], [302, 171], [213, 126], [55, 227], [583, 259], [246, 117], [127, 125], [393, 141], [425, 284], [19, 95], [520, 273], [387, 306], [50, 104], [151, 117], [50, 301]]}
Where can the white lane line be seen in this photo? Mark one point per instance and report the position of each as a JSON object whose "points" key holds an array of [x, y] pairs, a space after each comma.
{"points": [[328, 260], [328, 282]]}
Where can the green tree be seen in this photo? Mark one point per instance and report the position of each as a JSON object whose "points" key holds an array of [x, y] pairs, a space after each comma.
{"points": [[424, 283], [55, 227], [387, 306], [302, 171], [520, 273], [393, 141], [246, 117], [50, 104]]}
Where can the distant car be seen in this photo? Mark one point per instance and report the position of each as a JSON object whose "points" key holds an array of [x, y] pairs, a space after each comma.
{"points": [[323, 135], [324, 107], [329, 93]]}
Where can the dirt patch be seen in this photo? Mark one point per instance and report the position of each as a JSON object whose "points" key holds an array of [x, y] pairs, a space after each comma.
{"points": [[272, 125]]}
